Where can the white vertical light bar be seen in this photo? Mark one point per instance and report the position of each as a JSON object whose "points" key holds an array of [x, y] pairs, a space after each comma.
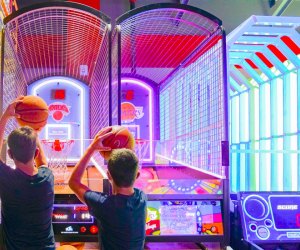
{"points": [[257, 159], [294, 162], [234, 139], [279, 160], [287, 142], [233, 167], [264, 128], [278, 123], [276, 130], [294, 128], [290, 127], [235, 119], [256, 113], [242, 166], [293, 102], [244, 138], [265, 165], [265, 118], [244, 117], [256, 136]]}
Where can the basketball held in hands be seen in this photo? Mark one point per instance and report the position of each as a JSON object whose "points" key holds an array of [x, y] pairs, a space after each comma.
{"points": [[33, 112], [120, 138]]}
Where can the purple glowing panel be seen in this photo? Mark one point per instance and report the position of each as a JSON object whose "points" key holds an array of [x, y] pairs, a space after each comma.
{"points": [[270, 216], [137, 112], [286, 212]]}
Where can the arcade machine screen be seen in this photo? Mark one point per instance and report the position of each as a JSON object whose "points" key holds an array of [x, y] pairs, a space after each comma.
{"points": [[188, 217], [173, 207]]}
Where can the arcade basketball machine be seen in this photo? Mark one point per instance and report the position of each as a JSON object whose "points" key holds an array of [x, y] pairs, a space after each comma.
{"points": [[60, 52], [169, 88], [264, 62]]}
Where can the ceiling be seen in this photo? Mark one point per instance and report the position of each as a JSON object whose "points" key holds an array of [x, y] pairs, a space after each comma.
{"points": [[231, 12]]}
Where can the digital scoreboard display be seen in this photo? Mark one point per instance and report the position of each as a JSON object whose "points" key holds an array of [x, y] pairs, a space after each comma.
{"points": [[285, 211], [71, 213], [58, 94]]}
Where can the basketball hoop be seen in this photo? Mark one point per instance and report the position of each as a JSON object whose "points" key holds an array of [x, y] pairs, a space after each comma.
{"points": [[57, 152], [141, 148]]}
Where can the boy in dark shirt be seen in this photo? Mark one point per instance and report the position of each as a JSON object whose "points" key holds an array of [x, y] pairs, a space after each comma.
{"points": [[122, 215], [26, 192]]}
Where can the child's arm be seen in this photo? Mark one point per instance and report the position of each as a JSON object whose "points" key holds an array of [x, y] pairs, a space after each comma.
{"points": [[3, 120], [40, 159], [9, 112], [75, 182]]}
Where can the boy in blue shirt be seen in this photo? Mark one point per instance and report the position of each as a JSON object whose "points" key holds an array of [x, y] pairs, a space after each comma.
{"points": [[122, 215], [26, 192]]}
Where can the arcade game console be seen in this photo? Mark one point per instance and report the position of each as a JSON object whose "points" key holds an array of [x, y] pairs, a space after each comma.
{"points": [[171, 93], [264, 75], [269, 220]]}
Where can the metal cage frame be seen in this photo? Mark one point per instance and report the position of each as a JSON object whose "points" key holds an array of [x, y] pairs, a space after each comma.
{"points": [[65, 48], [118, 43]]}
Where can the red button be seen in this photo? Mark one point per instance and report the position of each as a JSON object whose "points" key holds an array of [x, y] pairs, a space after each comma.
{"points": [[94, 229], [83, 229]]}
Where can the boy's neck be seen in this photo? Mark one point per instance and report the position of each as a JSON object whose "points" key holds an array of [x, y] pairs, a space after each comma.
{"points": [[27, 168], [122, 190]]}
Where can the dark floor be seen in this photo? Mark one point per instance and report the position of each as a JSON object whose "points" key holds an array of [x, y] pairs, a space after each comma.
{"points": [[152, 246]]}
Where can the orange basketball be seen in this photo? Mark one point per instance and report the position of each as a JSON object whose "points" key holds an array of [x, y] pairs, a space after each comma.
{"points": [[121, 138], [33, 111]]}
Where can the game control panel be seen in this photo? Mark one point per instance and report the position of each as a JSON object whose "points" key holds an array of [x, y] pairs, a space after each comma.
{"points": [[270, 216]]}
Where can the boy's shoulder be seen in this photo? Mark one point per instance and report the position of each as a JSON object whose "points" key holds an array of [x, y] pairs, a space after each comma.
{"points": [[6, 169], [100, 197], [139, 193], [139, 197], [45, 174], [44, 170]]}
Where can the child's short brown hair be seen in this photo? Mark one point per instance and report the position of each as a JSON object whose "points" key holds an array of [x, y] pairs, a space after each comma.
{"points": [[123, 167], [22, 144]]}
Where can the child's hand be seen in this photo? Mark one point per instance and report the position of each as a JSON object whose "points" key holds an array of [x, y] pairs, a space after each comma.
{"points": [[97, 143], [11, 109]]}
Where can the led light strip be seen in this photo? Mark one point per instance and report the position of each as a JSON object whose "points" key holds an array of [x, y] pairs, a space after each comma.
{"points": [[190, 166]]}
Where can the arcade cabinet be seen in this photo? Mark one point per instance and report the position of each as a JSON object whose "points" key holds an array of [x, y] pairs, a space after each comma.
{"points": [[46, 51], [264, 61], [169, 88]]}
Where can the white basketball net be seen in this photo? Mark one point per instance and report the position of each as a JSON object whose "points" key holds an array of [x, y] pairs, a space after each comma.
{"points": [[141, 147], [57, 154]]}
